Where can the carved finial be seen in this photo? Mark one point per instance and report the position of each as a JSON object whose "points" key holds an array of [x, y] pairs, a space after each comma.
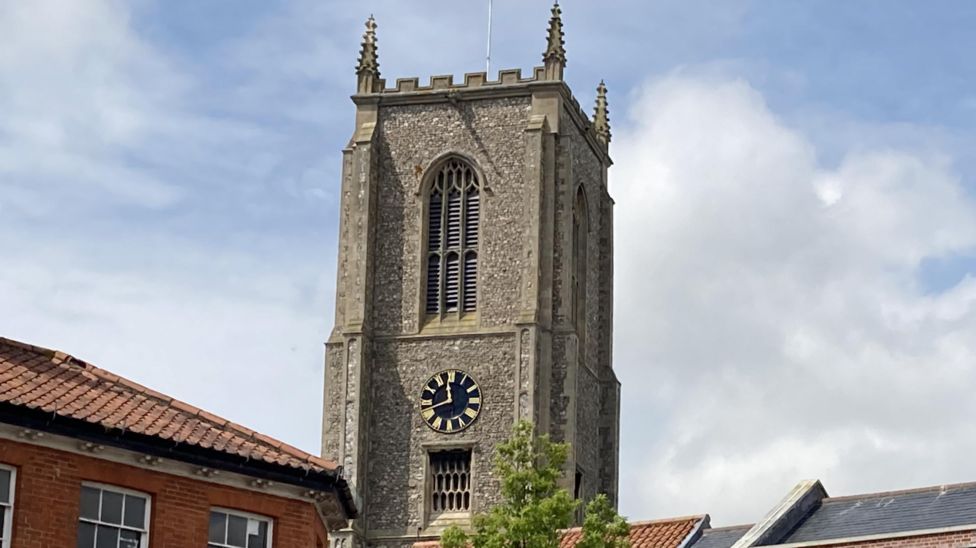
{"points": [[601, 115], [368, 69], [555, 55]]}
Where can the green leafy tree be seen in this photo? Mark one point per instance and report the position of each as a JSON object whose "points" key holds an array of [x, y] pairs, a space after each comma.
{"points": [[534, 509], [603, 527], [454, 537]]}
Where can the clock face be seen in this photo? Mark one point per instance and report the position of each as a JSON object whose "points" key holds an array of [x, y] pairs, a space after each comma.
{"points": [[450, 401]]}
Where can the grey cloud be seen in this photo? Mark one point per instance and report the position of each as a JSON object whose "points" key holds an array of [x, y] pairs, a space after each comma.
{"points": [[771, 307]]}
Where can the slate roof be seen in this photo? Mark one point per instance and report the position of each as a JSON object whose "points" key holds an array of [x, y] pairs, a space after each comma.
{"points": [[892, 512], [34, 378], [662, 533], [721, 537]]}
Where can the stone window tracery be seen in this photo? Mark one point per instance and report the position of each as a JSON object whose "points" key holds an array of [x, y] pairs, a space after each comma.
{"points": [[453, 219]]}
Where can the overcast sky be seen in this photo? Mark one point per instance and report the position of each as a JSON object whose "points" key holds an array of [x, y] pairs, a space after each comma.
{"points": [[796, 216]]}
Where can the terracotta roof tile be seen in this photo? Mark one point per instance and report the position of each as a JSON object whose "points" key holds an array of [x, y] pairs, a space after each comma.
{"points": [[140, 413], [56, 382], [223, 438], [663, 533]]}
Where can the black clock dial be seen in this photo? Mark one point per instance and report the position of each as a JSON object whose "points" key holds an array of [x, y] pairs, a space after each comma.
{"points": [[450, 401]]}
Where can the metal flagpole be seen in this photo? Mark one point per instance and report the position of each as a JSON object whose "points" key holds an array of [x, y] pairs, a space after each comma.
{"points": [[488, 55]]}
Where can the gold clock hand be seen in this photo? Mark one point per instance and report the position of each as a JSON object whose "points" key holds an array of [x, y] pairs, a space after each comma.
{"points": [[445, 402]]}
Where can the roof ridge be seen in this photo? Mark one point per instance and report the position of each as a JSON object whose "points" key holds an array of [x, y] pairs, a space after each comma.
{"points": [[33, 348], [730, 527], [646, 522], [882, 494], [667, 520]]}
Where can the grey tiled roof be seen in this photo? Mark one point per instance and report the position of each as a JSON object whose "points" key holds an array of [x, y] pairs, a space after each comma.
{"points": [[883, 513], [720, 537]]}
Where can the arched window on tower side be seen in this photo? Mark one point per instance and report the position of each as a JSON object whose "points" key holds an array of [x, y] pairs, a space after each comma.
{"points": [[453, 218], [581, 230]]}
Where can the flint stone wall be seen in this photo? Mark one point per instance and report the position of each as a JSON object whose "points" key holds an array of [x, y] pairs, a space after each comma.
{"points": [[411, 137], [399, 437]]}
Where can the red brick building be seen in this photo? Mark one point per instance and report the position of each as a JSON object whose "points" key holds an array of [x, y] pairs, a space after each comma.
{"points": [[90, 459]]}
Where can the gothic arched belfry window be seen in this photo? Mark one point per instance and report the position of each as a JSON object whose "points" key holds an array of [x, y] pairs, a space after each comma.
{"points": [[580, 231], [453, 215]]}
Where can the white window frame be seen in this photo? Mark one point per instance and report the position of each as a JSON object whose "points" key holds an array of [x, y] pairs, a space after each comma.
{"points": [[241, 514], [8, 508], [122, 491]]}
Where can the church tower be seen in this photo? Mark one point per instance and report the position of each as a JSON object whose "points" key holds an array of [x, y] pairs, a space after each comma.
{"points": [[474, 290]]}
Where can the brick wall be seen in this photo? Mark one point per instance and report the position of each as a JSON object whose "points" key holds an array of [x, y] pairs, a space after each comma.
{"points": [[956, 539], [48, 490]]}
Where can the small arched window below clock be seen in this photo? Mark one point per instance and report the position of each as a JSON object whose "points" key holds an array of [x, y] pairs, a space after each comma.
{"points": [[453, 223]]}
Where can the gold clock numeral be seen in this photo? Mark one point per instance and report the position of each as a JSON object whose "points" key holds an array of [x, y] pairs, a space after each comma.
{"points": [[464, 377], [448, 425], [472, 388], [427, 414], [470, 412], [427, 388], [474, 399], [440, 380], [451, 375], [425, 403], [438, 422]]}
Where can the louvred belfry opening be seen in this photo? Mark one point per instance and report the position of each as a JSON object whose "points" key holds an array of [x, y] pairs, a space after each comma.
{"points": [[453, 219]]}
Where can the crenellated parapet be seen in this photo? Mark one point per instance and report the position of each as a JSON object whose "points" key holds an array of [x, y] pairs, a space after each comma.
{"points": [[542, 81], [472, 80]]}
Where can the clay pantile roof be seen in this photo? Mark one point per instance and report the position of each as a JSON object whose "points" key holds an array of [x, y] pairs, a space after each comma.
{"points": [[661, 533], [54, 382]]}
